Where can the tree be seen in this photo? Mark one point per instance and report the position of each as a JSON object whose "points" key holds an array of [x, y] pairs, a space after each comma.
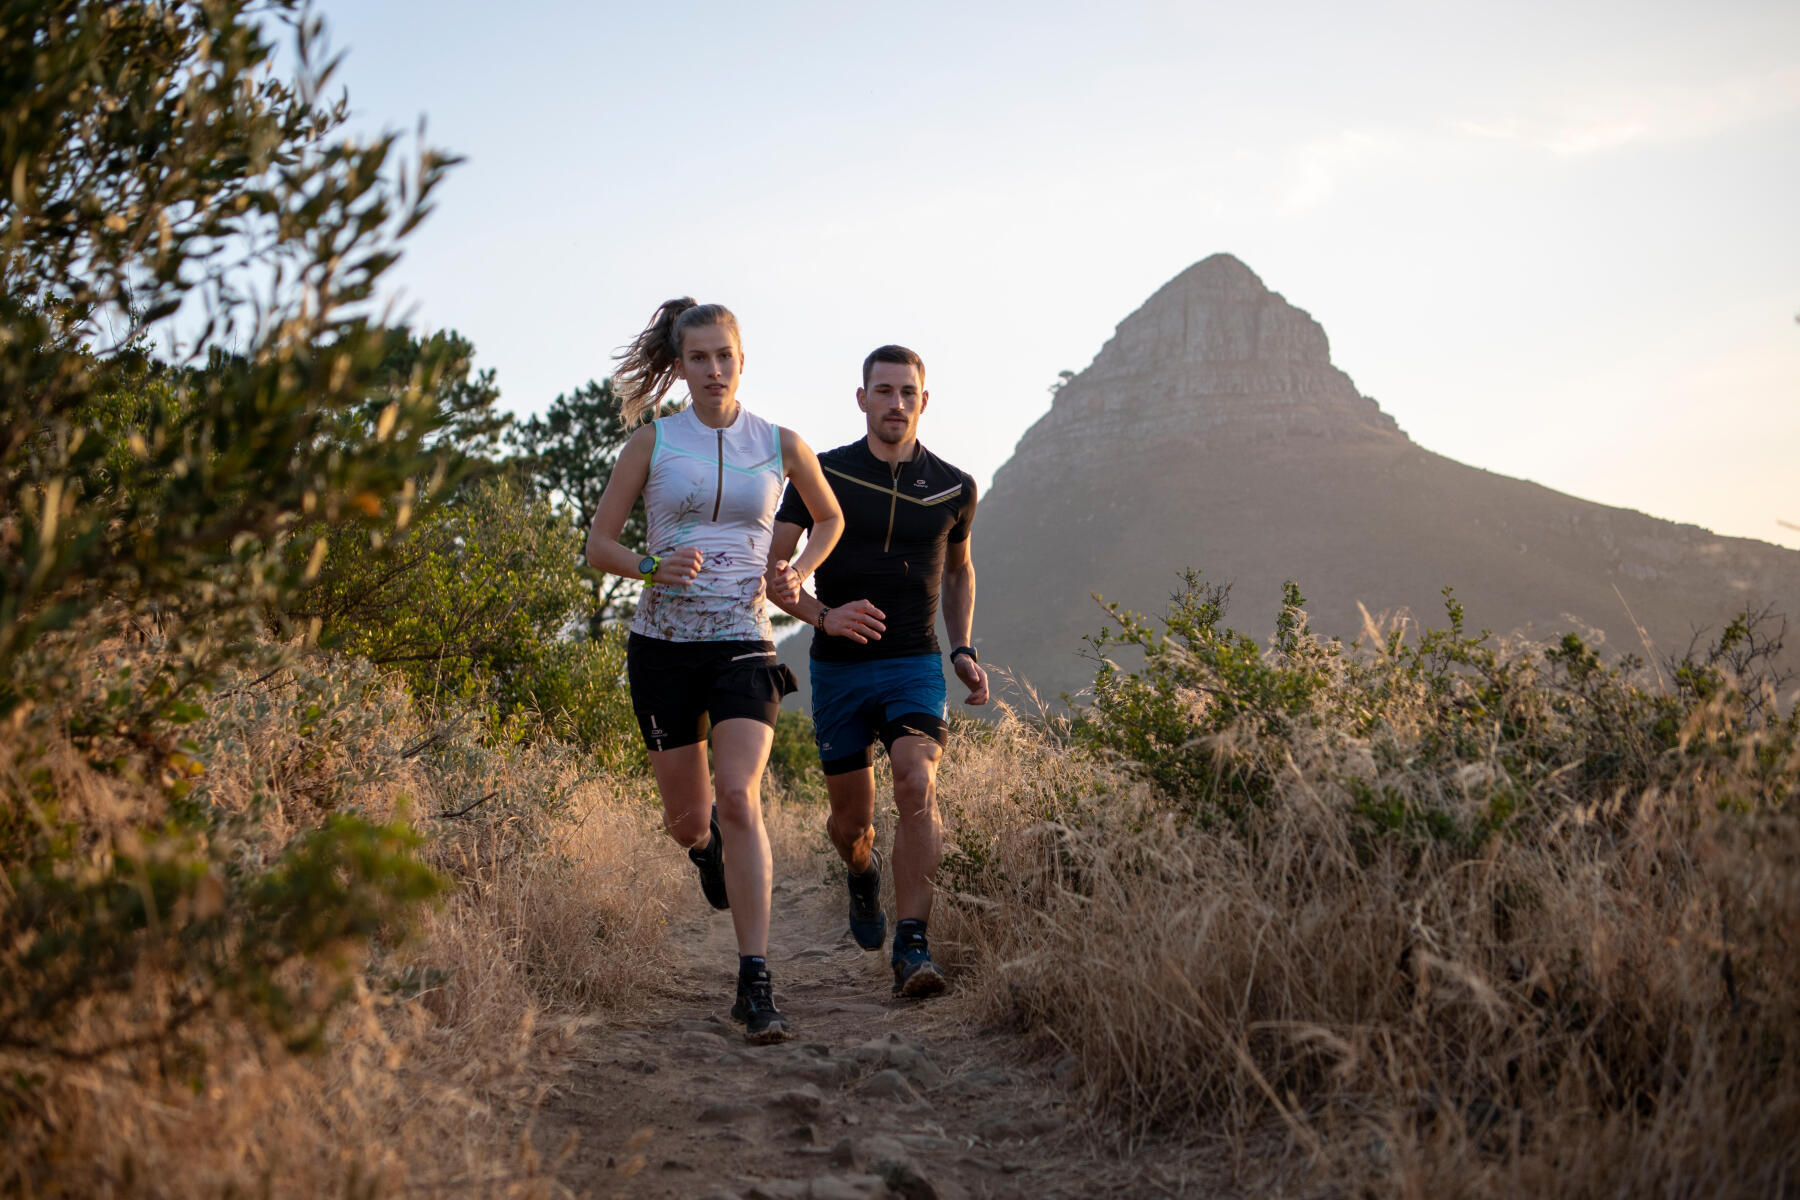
{"points": [[567, 455], [155, 165]]}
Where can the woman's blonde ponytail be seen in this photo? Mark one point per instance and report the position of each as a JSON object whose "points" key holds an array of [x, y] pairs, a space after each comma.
{"points": [[647, 366]]}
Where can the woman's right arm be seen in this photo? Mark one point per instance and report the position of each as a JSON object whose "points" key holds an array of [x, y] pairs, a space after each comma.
{"points": [[604, 553]]}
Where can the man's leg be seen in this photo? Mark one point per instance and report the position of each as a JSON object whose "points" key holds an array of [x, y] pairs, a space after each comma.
{"points": [[918, 832], [851, 825]]}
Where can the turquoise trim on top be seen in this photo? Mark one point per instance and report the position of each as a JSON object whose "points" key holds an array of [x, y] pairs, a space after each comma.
{"points": [[709, 460], [780, 467]]}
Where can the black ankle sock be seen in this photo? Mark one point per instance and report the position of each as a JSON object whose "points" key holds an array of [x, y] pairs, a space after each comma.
{"points": [[909, 929], [751, 965]]}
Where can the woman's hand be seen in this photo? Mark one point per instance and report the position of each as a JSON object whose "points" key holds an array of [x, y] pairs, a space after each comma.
{"points": [[783, 582], [678, 567]]}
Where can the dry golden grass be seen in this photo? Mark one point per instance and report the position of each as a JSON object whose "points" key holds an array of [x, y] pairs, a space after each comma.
{"points": [[1601, 1005], [563, 884]]}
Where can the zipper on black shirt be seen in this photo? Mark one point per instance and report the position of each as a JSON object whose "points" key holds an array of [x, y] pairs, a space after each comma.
{"points": [[893, 503]]}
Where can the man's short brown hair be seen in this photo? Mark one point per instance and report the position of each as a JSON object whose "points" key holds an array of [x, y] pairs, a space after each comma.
{"points": [[893, 354]]}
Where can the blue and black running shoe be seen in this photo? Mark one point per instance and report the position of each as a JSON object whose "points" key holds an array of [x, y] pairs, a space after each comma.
{"points": [[764, 1024], [915, 975], [868, 924], [711, 861]]}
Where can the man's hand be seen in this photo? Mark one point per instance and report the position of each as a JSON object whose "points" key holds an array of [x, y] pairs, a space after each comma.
{"points": [[678, 567], [783, 583], [973, 677], [858, 620]]}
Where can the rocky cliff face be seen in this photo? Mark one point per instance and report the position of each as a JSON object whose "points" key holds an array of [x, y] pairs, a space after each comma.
{"points": [[1213, 358], [1213, 431]]}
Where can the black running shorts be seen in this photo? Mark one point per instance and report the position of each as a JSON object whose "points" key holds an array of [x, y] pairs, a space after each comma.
{"points": [[678, 688]]}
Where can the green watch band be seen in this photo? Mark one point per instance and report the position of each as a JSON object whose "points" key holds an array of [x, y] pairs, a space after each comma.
{"points": [[647, 567]]}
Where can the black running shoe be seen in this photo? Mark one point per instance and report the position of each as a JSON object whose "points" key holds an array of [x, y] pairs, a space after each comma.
{"points": [[915, 975], [755, 1007], [711, 862], [868, 924]]}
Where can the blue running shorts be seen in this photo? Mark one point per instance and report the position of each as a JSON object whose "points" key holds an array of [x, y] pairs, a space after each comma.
{"points": [[853, 703]]}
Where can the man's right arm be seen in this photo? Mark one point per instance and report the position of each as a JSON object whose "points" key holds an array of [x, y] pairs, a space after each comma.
{"points": [[858, 620]]}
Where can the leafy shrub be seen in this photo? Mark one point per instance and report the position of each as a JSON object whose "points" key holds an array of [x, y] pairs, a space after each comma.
{"points": [[1453, 736], [1446, 915], [481, 600], [156, 166], [794, 755]]}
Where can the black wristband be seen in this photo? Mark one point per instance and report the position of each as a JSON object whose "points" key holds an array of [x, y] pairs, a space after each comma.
{"points": [[968, 650], [820, 619]]}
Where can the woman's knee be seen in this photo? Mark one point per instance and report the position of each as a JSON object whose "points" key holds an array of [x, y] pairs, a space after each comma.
{"points": [[739, 804], [690, 828]]}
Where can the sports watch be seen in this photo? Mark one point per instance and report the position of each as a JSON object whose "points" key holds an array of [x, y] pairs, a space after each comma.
{"points": [[968, 650], [647, 567]]}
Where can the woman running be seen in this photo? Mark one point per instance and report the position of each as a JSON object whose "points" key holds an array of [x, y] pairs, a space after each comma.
{"points": [[701, 648]]}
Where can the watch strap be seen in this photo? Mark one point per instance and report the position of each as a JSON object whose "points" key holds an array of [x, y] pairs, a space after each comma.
{"points": [[968, 650]]}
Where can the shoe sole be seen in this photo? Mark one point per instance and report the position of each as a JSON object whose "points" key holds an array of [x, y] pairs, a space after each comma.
{"points": [[926, 981], [769, 1036]]}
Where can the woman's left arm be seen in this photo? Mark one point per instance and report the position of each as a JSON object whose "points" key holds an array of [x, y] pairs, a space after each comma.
{"points": [[828, 518]]}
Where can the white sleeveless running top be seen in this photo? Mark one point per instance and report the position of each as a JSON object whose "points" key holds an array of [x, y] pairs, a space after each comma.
{"points": [[715, 489]]}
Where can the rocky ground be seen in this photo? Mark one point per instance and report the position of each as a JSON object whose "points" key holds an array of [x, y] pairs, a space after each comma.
{"points": [[872, 1097]]}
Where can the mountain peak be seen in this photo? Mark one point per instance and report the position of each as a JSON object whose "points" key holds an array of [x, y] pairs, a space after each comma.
{"points": [[1218, 271], [1213, 358], [1213, 431]]}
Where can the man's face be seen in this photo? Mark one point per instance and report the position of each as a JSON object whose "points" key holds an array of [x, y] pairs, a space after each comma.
{"points": [[893, 401]]}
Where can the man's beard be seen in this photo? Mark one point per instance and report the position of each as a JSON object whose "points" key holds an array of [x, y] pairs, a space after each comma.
{"points": [[890, 435]]}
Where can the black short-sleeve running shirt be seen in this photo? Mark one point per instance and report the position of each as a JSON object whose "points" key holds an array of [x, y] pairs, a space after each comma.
{"points": [[898, 519]]}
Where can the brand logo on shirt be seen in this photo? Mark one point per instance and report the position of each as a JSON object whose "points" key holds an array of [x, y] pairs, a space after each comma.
{"points": [[918, 483]]}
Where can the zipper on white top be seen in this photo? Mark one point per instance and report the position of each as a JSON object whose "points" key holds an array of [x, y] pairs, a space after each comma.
{"points": [[719, 495]]}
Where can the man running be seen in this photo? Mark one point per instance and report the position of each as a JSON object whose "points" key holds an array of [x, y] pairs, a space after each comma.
{"points": [[876, 670]]}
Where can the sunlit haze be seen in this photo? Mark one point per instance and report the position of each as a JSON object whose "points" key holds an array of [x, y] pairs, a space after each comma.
{"points": [[1558, 242]]}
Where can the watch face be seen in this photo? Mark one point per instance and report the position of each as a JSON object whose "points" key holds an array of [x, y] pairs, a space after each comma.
{"points": [[646, 566]]}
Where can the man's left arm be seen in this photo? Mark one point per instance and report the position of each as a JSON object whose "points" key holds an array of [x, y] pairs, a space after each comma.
{"points": [[958, 598]]}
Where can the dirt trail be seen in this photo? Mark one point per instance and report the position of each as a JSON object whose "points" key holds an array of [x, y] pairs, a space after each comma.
{"points": [[872, 1097]]}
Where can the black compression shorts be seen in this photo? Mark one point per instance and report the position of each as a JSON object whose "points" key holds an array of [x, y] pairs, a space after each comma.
{"points": [[678, 689]]}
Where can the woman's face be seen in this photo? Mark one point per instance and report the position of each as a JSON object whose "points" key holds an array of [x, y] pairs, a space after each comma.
{"points": [[711, 362]]}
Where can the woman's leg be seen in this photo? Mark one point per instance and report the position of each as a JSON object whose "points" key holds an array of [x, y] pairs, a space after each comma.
{"points": [[686, 792], [740, 752]]}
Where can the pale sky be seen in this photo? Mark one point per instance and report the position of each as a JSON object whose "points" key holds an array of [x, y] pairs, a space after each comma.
{"points": [[1558, 241]]}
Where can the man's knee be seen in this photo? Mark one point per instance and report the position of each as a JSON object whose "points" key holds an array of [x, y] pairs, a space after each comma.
{"points": [[915, 774], [846, 830]]}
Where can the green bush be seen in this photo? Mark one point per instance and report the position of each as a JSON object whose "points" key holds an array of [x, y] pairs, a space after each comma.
{"points": [[156, 164], [484, 601], [1460, 740], [794, 755]]}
